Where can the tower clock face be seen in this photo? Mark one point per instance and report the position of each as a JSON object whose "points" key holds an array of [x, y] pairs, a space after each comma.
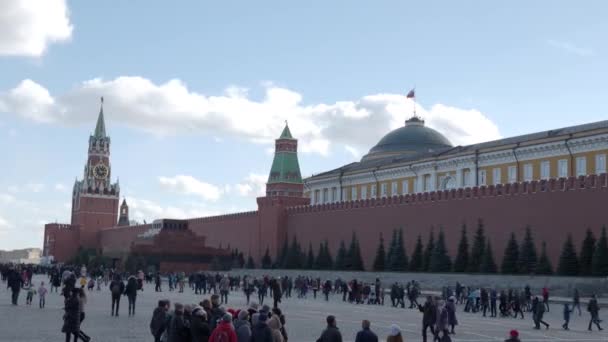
{"points": [[100, 171]]}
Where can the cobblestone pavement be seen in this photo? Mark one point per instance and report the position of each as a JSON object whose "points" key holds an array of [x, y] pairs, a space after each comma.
{"points": [[305, 319]]}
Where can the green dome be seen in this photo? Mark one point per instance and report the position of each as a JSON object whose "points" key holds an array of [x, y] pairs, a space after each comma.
{"points": [[413, 138]]}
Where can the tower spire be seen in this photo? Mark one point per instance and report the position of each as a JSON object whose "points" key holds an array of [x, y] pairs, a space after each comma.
{"points": [[100, 128]]}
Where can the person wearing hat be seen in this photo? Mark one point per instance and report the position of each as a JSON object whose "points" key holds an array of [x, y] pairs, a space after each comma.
{"points": [[178, 329], [451, 308], [331, 333], [261, 332], [513, 336], [395, 334], [274, 323], [243, 327], [199, 328], [366, 334], [224, 332]]}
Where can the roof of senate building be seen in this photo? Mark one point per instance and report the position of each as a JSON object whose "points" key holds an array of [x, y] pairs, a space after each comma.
{"points": [[403, 145]]}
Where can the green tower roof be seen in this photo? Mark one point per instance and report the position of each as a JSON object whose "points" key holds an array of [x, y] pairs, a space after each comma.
{"points": [[100, 128], [285, 167], [286, 133]]}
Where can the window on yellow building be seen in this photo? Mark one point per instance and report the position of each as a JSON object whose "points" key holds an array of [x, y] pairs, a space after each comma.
{"points": [[344, 194], [374, 191], [528, 172], [394, 189], [581, 166], [545, 169], [364, 192], [384, 189], [512, 173], [353, 193], [334, 194], [325, 195], [405, 187], [562, 168], [482, 177], [600, 163], [496, 176]]}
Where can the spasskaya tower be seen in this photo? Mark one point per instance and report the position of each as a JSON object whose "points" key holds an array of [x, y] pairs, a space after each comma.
{"points": [[95, 198]]}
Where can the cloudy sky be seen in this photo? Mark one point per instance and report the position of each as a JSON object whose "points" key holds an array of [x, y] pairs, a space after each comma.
{"points": [[196, 93]]}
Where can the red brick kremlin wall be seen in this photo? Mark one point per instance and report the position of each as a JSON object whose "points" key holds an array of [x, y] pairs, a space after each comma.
{"points": [[553, 209], [116, 241], [61, 241]]}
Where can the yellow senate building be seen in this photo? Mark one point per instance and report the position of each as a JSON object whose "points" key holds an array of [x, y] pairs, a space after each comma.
{"points": [[415, 158]]}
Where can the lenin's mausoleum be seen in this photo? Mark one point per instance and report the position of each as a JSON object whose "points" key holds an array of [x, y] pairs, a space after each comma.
{"points": [[554, 182]]}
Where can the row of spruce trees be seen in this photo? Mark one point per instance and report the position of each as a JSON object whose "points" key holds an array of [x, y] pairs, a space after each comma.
{"points": [[478, 257]]}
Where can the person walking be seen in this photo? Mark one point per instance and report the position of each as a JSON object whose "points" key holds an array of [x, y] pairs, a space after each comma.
{"points": [[395, 334], [451, 309], [15, 283], [117, 288], [429, 316], [199, 328], [539, 312], [567, 313], [594, 309], [42, 291], [242, 327], [331, 333], [576, 301], [276, 293], [224, 289], [157, 283], [366, 334], [546, 297], [71, 318], [131, 293]]}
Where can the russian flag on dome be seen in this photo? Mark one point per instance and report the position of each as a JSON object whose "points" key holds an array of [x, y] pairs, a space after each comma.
{"points": [[411, 94]]}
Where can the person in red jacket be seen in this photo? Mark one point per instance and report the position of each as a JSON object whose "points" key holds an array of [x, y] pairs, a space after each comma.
{"points": [[224, 332]]}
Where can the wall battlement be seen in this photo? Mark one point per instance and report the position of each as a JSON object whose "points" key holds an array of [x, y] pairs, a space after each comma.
{"points": [[582, 183], [61, 226], [225, 217]]}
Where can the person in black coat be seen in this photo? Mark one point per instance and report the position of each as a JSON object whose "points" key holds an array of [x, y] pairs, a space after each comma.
{"points": [[429, 316], [15, 283], [366, 335], [199, 328], [160, 318], [131, 293], [178, 329], [117, 288], [260, 332], [331, 333], [71, 318]]}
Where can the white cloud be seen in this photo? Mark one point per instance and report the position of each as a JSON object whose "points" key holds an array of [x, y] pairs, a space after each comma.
{"points": [[34, 187], [146, 210], [4, 223], [184, 184], [7, 199], [254, 185], [172, 108], [27, 27], [571, 48], [60, 187]]}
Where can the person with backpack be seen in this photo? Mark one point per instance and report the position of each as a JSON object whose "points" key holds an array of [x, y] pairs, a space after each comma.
{"points": [[131, 293], [594, 309], [159, 321], [117, 288], [224, 332], [199, 328]]}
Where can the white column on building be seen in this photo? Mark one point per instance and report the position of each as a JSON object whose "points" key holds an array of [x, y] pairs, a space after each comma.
{"points": [[420, 183], [459, 180], [433, 181]]}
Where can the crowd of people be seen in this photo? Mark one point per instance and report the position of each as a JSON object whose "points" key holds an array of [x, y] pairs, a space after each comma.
{"points": [[212, 319]]}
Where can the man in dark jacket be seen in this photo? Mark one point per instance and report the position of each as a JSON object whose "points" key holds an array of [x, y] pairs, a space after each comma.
{"points": [[594, 309], [276, 292], [15, 283], [331, 334], [366, 335], [260, 332], [429, 316], [178, 329], [199, 329], [160, 316], [117, 288]]}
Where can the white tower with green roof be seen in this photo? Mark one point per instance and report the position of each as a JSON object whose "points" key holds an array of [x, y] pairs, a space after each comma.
{"points": [[285, 179]]}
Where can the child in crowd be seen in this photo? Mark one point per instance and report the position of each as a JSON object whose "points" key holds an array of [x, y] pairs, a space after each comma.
{"points": [[31, 291], [567, 313], [83, 282], [99, 280], [42, 295], [91, 284]]}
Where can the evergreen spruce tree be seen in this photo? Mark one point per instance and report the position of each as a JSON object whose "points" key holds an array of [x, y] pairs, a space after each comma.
{"points": [[487, 264], [416, 262], [319, 261], [399, 257], [511, 257], [282, 257], [341, 257], [329, 260], [527, 254], [586, 255], [568, 260], [440, 260], [380, 256], [294, 255], [355, 261], [600, 256], [310, 260], [477, 250], [428, 252], [462, 258], [267, 260], [250, 264], [390, 257], [544, 265]]}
